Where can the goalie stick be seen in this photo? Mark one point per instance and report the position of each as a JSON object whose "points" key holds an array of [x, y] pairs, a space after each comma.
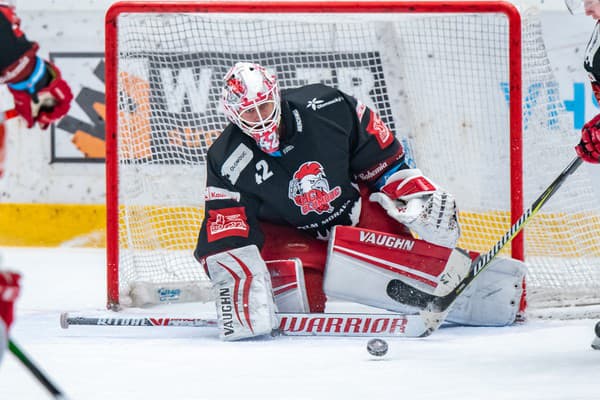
{"points": [[290, 324], [41, 377], [433, 308], [434, 305]]}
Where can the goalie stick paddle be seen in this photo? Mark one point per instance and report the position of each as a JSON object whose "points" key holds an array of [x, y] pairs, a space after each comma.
{"points": [[290, 324], [429, 303], [41, 377]]}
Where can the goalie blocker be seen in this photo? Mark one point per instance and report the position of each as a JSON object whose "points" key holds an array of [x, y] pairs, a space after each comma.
{"points": [[361, 263]]}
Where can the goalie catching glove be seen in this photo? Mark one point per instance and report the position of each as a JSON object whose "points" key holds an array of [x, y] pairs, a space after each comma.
{"points": [[413, 200]]}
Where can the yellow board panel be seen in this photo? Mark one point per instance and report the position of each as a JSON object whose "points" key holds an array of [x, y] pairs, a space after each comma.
{"points": [[50, 225], [176, 228]]}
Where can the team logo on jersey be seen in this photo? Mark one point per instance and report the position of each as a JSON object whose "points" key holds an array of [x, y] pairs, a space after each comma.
{"points": [[309, 189], [380, 130], [226, 222]]}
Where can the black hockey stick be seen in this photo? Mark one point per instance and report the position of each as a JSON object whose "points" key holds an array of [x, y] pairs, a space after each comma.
{"points": [[409, 295], [41, 377]]}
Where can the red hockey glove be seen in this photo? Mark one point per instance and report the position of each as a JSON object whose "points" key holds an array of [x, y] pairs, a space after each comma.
{"points": [[44, 97], [588, 148], [9, 290]]}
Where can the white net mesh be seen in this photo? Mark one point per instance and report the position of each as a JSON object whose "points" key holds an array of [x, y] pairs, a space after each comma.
{"points": [[440, 81]]}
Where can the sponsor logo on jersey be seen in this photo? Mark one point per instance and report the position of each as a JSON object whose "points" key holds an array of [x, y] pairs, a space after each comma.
{"points": [[388, 241], [226, 222], [360, 110], [236, 162], [309, 189], [287, 149], [296, 114], [380, 130], [318, 104], [370, 174], [216, 193]]}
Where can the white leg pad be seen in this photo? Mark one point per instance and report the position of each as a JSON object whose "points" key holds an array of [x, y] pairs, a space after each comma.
{"points": [[245, 306], [493, 298], [361, 263], [289, 289]]}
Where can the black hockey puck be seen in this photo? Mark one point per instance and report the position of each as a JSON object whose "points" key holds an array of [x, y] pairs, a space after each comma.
{"points": [[377, 347]]}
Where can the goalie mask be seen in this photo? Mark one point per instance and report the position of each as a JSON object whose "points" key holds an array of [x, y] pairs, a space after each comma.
{"points": [[251, 101]]}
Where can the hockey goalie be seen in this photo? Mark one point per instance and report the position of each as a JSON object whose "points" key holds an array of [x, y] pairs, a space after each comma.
{"points": [[309, 196]]}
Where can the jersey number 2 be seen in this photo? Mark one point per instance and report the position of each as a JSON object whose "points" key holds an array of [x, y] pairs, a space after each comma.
{"points": [[263, 172]]}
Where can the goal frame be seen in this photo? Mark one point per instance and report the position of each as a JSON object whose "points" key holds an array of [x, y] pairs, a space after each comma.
{"points": [[272, 7]]}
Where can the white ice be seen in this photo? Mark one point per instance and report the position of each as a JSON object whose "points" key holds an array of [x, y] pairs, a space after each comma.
{"points": [[537, 360]]}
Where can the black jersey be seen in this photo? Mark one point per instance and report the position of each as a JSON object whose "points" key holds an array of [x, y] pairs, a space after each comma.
{"points": [[329, 142], [13, 46]]}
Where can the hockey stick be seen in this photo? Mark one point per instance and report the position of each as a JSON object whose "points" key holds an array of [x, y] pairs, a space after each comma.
{"points": [[290, 324], [41, 377], [407, 294], [66, 321]]}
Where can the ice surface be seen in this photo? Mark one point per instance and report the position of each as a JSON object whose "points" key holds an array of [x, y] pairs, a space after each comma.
{"points": [[537, 360]]}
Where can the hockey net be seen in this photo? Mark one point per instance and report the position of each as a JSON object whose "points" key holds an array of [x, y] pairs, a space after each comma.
{"points": [[444, 77]]}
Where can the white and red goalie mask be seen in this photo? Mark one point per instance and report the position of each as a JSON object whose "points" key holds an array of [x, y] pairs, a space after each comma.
{"points": [[251, 101]]}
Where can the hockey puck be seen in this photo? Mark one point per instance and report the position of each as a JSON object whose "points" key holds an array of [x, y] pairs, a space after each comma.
{"points": [[596, 341], [377, 347]]}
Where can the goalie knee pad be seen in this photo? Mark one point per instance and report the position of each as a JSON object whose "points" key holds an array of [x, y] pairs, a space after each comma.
{"points": [[296, 289], [493, 298], [245, 306], [289, 290]]}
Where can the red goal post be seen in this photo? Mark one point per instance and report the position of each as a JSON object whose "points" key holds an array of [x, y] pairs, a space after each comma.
{"points": [[112, 57], [123, 126]]}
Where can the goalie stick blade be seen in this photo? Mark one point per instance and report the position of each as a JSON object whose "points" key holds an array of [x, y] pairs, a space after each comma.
{"points": [[291, 324], [411, 296], [406, 294]]}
